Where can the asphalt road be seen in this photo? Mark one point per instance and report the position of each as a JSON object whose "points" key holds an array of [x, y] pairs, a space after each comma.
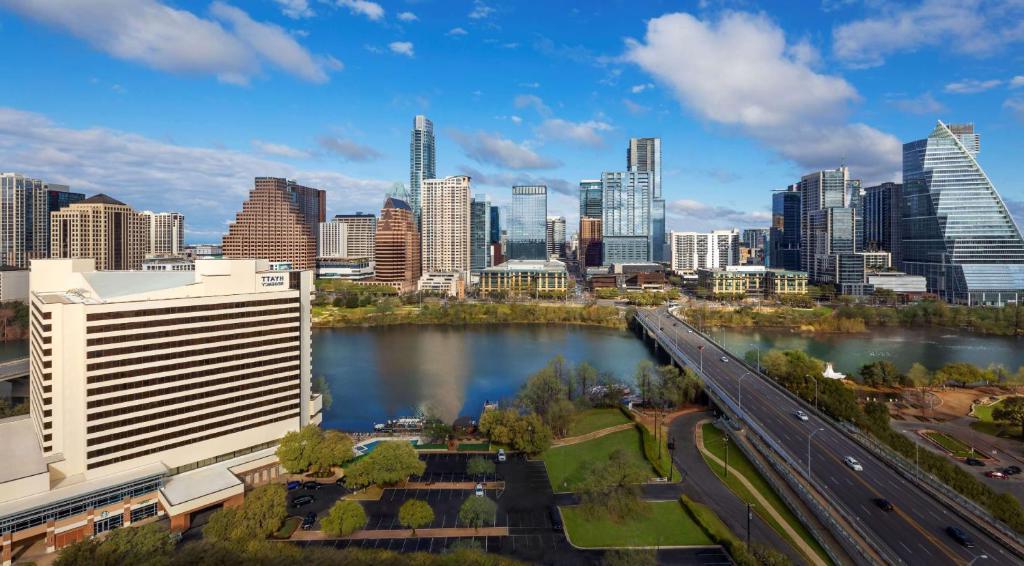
{"points": [[914, 532]]}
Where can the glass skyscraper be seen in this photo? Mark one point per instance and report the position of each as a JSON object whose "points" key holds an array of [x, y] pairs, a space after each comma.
{"points": [[881, 209], [818, 191], [957, 232], [644, 154], [784, 235], [479, 233], [626, 223], [527, 225], [495, 225], [590, 198], [421, 160]]}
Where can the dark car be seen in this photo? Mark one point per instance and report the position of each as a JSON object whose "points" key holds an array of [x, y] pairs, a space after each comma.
{"points": [[302, 500], [974, 462], [960, 536], [311, 485], [294, 484], [884, 504], [1011, 470], [308, 522], [340, 481], [556, 518]]}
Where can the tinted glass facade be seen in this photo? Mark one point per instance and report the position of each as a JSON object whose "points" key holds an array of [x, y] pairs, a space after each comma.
{"points": [[626, 225], [479, 233], [590, 199], [421, 160], [527, 226], [784, 235]]}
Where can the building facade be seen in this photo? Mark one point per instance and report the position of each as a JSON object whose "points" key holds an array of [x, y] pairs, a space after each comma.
{"points": [[25, 208], [591, 197], [525, 277], [626, 221], [784, 237], [527, 225], [422, 160], [882, 212], [692, 251], [753, 280], [831, 232], [271, 226], [644, 154], [480, 233], [397, 251], [446, 224], [348, 236], [166, 233], [101, 228], [818, 191], [312, 205], [555, 237], [591, 251]]}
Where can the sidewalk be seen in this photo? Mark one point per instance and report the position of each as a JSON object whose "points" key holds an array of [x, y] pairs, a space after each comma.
{"points": [[301, 535], [568, 441], [452, 485]]}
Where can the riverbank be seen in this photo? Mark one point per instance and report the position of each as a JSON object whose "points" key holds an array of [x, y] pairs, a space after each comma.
{"points": [[461, 314]]}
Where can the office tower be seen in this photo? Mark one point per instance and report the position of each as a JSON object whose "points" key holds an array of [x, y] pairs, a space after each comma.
{"points": [[101, 228], [754, 238], [445, 219], [626, 220], [312, 205], [421, 160], [25, 207], [166, 233], [590, 198], [881, 210], [644, 154], [819, 190], [956, 230], [480, 233], [785, 234], [333, 240], [49, 199], [591, 250], [495, 225], [711, 250], [271, 226], [352, 236], [397, 251], [527, 225], [831, 232], [555, 236]]}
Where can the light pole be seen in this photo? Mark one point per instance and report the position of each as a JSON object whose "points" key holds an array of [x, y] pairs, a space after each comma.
{"points": [[726, 440], [809, 437], [741, 389]]}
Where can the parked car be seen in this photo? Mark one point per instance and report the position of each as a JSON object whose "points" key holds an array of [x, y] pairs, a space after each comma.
{"points": [[312, 485], [690, 331], [294, 484], [301, 500], [960, 536], [884, 504], [725, 359], [853, 464], [995, 475], [1011, 470], [556, 518], [479, 490], [307, 523], [801, 415], [974, 462], [501, 454], [340, 481]]}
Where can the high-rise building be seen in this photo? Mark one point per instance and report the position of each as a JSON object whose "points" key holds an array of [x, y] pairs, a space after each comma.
{"points": [[333, 240], [555, 236], [358, 231], [881, 208], [480, 233], [166, 233], [754, 238], [590, 198], [818, 191], [591, 252], [527, 225], [422, 160], [446, 224], [312, 205], [644, 154], [495, 225], [397, 250], [784, 237], [271, 226], [692, 251], [25, 207], [626, 220], [832, 231], [956, 229], [102, 228]]}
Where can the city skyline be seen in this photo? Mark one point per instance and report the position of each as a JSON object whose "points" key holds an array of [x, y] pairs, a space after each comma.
{"points": [[560, 111]]}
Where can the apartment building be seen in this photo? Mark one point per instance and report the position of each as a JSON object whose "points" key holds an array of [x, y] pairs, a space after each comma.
{"points": [[348, 236], [446, 223], [166, 233], [692, 251], [102, 228]]}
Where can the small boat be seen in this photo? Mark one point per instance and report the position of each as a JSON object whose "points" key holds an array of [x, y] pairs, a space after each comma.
{"points": [[403, 424]]}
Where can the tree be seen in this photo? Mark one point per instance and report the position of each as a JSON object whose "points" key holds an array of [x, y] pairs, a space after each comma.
{"points": [[560, 415], [390, 462], [321, 387], [344, 518], [610, 488], [677, 387], [541, 390], [477, 512], [479, 466], [149, 544], [1010, 410], [586, 377], [497, 425], [415, 513], [530, 434], [261, 514], [645, 379], [296, 449], [918, 375], [882, 372], [334, 449], [437, 431], [960, 373]]}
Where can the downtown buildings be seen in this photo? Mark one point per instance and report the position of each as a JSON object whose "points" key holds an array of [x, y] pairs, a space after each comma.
{"points": [[445, 220], [422, 160], [527, 223], [348, 236], [692, 251], [626, 216], [644, 154], [166, 233], [104, 229], [397, 251], [25, 208]]}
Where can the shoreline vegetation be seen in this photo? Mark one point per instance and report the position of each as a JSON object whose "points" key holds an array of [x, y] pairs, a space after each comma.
{"points": [[327, 316]]}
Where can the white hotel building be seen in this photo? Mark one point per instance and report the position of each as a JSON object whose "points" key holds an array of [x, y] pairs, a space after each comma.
{"points": [[152, 393]]}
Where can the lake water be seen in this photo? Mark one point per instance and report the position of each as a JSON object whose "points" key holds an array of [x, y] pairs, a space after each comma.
{"points": [[13, 350], [380, 373], [932, 347]]}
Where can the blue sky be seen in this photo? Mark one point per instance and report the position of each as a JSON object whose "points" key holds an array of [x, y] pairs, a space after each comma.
{"points": [[174, 105]]}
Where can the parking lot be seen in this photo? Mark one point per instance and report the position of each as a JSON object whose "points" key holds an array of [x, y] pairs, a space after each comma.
{"points": [[451, 468], [383, 514]]}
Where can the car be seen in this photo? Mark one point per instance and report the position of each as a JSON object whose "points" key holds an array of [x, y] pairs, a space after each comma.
{"points": [[690, 331], [308, 521], [801, 415], [302, 500], [995, 475], [725, 359], [479, 490], [960, 536], [312, 485], [974, 462], [884, 504], [501, 454], [556, 518], [1011, 470], [294, 484], [853, 464], [340, 482]]}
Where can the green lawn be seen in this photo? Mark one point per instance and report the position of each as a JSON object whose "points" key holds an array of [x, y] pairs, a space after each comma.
{"points": [[478, 447], [563, 463], [596, 419], [713, 441], [287, 528], [986, 425], [665, 523], [955, 446]]}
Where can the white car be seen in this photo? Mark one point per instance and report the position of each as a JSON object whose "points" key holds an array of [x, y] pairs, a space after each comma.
{"points": [[690, 331], [853, 464], [479, 490], [801, 415], [725, 359], [501, 454]]}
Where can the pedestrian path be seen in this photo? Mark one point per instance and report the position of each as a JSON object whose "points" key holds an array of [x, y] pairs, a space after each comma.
{"points": [[591, 435], [452, 485], [405, 533]]}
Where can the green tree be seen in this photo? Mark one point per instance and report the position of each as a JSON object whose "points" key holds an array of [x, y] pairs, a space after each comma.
{"points": [[344, 518], [334, 449], [480, 466], [1010, 410], [677, 387], [541, 390], [261, 514], [390, 462], [415, 513], [530, 434], [477, 512], [436, 430], [610, 488], [322, 388], [646, 379], [297, 448], [497, 425], [918, 375], [585, 378], [150, 545], [560, 415], [882, 372], [960, 373]]}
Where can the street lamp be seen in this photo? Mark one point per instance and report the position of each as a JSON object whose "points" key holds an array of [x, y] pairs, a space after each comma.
{"points": [[741, 389], [809, 437], [701, 349]]}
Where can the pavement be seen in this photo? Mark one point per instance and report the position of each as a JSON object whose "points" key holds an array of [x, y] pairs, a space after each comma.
{"points": [[913, 534]]}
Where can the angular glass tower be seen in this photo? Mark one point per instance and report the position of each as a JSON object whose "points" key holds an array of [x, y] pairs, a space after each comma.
{"points": [[479, 233], [421, 159], [956, 229], [644, 154], [626, 223]]}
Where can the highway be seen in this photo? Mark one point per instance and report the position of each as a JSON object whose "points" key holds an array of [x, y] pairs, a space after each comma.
{"points": [[914, 532]]}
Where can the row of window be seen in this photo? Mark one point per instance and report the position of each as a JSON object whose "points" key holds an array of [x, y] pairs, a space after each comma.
{"points": [[172, 333], [139, 348], [173, 367], [177, 355], [204, 319], [167, 311], [70, 507]]}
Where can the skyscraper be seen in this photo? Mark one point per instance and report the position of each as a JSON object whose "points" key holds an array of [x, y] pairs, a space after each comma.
{"points": [[590, 198], [25, 207], [819, 190], [785, 234], [956, 230], [644, 154], [312, 205], [397, 250], [591, 252], [527, 225], [271, 226], [359, 229], [480, 233], [626, 222], [555, 236], [166, 233], [422, 160], [881, 208], [713, 250], [446, 224], [104, 229], [831, 232]]}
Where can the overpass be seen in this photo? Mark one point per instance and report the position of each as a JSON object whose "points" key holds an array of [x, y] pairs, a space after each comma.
{"points": [[914, 533], [14, 369]]}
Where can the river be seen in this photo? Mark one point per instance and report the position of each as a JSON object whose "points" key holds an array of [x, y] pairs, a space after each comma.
{"points": [[377, 373]]}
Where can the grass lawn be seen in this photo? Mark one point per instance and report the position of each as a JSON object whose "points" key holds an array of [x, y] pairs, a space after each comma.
{"points": [[986, 425], [954, 445], [666, 523], [371, 493], [596, 419], [563, 463], [713, 441], [287, 528]]}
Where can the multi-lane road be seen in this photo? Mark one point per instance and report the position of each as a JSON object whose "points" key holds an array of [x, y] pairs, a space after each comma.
{"points": [[914, 532]]}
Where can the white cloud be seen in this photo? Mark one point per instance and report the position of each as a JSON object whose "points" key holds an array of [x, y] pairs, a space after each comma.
{"points": [[206, 184], [582, 133], [970, 27], [295, 9], [924, 104], [169, 39], [480, 10], [1017, 81], [688, 214], [529, 85], [371, 10], [402, 48], [407, 17], [738, 71], [279, 150], [516, 120], [1016, 107], [972, 86], [532, 101], [634, 108], [457, 32], [506, 180], [347, 149], [637, 89], [493, 149]]}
